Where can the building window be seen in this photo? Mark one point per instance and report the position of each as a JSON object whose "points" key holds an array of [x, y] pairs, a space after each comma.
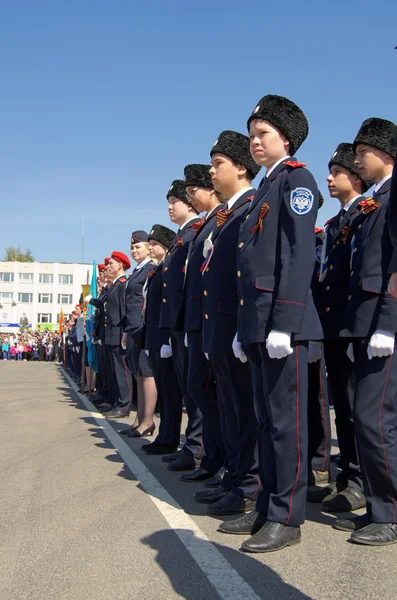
{"points": [[64, 298], [66, 316], [7, 277], [25, 297], [26, 277], [6, 296], [65, 279], [46, 278], [45, 298], [44, 318]]}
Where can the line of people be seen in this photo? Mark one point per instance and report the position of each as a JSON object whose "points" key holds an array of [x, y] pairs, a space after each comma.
{"points": [[248, 316]]}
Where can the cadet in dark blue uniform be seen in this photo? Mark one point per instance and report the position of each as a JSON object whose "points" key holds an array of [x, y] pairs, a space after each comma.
{"points": [[200, 378], [232, 171], [137, 361], [184, 215], [393, 230], [102, 395], [276, 320], [370, 319], [113, 312]]}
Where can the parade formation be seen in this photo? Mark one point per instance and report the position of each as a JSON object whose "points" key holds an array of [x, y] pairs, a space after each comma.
{"points": [[254, 322]]}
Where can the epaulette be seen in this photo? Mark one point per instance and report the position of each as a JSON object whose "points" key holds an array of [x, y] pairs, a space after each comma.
{"points": [[122, 279], [329, 221], [294, 164]]}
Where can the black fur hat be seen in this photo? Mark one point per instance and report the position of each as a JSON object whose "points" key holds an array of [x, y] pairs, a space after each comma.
{"points": [[379, 133], [344, 157], [162, 235], [286, 116], [177, 189], [236, 146], [198, 175]]}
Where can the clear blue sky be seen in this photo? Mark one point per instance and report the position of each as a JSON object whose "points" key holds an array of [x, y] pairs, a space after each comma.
{"points": [[103, 103]]}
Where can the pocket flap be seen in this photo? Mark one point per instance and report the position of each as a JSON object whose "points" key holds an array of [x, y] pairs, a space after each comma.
{"points": [[373, 283], [265, 283], [229, 308]]}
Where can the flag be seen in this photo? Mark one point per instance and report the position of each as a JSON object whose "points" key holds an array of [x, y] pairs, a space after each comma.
{"points": [[89, 323], [61, 322]]}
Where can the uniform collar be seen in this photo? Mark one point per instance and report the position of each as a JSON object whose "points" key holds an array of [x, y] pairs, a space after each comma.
{"points": [[234, 198], [187, 222], [269, 171], [380, 184], [114, 280], [207, 216], [142, 264], [349, 204]]}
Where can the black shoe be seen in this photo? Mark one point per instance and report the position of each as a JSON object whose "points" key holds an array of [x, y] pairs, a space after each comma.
{"points": [[317, 493], [216, 479], [184, 462], [116, 413], [272, 537], [347, 500], [168, 458], [376, 534], [231, 504], [197, 476], [210, 496], [354, 524], [145, 433], [126, 431], [248, 524], [158, 449], [105, 407]]}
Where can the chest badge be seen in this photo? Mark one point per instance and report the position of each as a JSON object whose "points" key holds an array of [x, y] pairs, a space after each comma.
{"points": [[301, 200]]}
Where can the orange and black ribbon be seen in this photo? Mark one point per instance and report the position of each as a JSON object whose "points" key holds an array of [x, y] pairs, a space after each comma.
{"points": [[196, 226], [344, 233], [368, 205], [259, 226], [222, 216], [150, 274]]}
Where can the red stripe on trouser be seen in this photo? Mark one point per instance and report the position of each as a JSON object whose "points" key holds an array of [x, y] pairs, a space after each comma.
{"points": [[297, 436], [324, 419], [383, 439]]}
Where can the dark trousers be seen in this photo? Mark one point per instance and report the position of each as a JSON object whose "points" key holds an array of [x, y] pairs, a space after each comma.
{"points": [[101, 379], [194, 430], [122, 383], [280, 393], [169, 398], [201, 387], [238, 424], [375, 419], [341, 381], [319, 424]]}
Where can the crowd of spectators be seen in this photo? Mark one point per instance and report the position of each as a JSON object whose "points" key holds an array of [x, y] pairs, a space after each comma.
{"points": [[31, 345]]}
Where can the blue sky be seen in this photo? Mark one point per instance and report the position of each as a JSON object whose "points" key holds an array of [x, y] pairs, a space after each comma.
{"points": [[103, 103]]}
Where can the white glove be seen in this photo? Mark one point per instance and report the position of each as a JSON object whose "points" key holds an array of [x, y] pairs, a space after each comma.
{"points": [[185, 340], [100, 342], [238, 350], [147, 352], [278, 344], [381, 344], [315, 352], [124, 341], [165, 351], [87, 298], [206, 356], [78, 350], [350, 352]]}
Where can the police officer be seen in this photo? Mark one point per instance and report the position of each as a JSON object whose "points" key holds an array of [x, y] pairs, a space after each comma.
{"points": [[119, 375], [200, 379], [232, 171], [183, 214], [370, 320], [276, 320]]}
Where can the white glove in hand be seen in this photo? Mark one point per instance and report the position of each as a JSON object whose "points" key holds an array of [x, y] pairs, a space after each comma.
{"points": [[165, 351], [87, 298], [350, 352], [315, 352], [147, 352], [381, 344], [278, 344], [238, 350], [124, 341], [185, 340]]}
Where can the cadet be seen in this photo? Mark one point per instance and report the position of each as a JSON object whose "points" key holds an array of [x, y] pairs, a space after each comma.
{"points": [[371, 320], [393, 230], [232, 171], [102, 394], [277, 318], [183, 214], [121, 392], [200, 380]]}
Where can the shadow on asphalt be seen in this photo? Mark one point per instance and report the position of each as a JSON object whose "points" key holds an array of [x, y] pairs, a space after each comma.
{"points": [[261, 578]]}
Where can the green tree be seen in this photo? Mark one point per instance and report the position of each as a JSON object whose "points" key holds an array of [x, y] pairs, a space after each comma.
{"points": [[16, 254]]}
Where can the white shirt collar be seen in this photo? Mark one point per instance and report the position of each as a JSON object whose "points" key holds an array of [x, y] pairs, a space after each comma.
{"points": [[275, 165], [186, 222], [211, 211], [143, 263], [348, 204], [379, 185], [234, 198], [114, 280]]}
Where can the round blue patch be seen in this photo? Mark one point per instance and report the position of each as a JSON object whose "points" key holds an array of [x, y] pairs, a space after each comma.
{"points": [[301, 200]]}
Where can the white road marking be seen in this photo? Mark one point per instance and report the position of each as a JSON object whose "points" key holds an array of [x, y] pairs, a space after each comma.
{"points": [[227, 582]]}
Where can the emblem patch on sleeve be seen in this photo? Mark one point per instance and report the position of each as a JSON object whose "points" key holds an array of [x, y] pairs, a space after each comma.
{"points": [[301, 200]]}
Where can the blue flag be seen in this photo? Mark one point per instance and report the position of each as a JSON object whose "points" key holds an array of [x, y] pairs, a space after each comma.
{"points": [[89, 323]]}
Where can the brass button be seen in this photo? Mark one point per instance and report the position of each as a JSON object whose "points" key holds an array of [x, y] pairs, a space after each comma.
{"points": [[333, 247], [349, 297], [205, 293], [327, 288], [241, 302], [165, 268], [207, 269], [164, 300], [206, 316], [241, 244], [164, 285], [238, 273], [331, 267], [327, 309], [247, 217], [351, 273], [359, 227], [355, 250]]}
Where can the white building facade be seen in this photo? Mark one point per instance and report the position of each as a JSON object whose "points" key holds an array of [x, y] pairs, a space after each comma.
{"points": [[34, 293]]}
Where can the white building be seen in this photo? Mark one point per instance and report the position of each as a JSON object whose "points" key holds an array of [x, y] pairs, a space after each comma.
{"points": [[37, 291]]}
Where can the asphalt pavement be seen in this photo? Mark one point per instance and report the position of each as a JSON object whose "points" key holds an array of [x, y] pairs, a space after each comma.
{"points": [[87, 515]]}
